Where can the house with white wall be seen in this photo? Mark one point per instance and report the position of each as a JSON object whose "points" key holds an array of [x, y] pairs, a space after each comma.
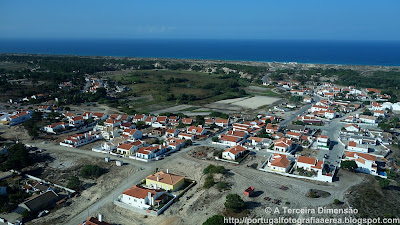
{"points": [[279, 163], [234, 152], [143, 198], [366, 162]]}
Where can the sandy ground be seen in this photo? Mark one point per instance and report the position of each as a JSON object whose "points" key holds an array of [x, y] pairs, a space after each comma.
{"points": [[61, 165], [243, 103], [195, 206]]}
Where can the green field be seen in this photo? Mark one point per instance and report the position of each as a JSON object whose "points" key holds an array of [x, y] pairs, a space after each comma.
{"points": [[179, 87]]}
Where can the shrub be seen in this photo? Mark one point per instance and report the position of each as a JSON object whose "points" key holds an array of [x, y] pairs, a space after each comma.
{"points": [[222, 185], [74, 183], [91, 171], [336, 201], [234, 203], [214, 169], [215, 220], [209, 181]]}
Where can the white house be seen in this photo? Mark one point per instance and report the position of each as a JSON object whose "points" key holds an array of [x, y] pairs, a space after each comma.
{"points": [[143, 198], [283, 145], [87, 115], [229, 140], [175, 143], [278, 162], [53, 128], [80, 139], [151, 152], [139, 117], [76, 121], [196, 130], [20, 117], [186, 136], [354, 146], [368, 119], [129, 148], [330, 114], [260, 141], [99, 116], [379, 113], [307, 100], [309, 163], [366, 163], [352, 128], [272, 128], [221, 122], [172, 132], [112, 123], [132, 134], [149, 120], [233, 153]]}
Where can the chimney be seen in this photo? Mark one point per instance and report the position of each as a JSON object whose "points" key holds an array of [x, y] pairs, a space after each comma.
{"points": [[167, 170], [100, 218], [158, 177]]}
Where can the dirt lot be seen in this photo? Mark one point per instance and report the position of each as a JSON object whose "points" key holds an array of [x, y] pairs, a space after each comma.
{"points": [[243, 103], [195, 206], [58, 166], [14, 133]]}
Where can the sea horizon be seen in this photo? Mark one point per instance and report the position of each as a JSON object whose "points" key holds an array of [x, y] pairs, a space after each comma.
{"points": [[334, 52]]}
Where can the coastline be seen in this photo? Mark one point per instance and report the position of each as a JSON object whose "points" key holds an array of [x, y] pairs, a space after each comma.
{"points": [[275, 64]]}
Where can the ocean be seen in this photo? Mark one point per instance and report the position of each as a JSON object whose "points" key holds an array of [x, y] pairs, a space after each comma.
{"points": [[384, 53]]}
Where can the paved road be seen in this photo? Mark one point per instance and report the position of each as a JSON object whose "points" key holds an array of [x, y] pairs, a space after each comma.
{"points": [[296, 113]]}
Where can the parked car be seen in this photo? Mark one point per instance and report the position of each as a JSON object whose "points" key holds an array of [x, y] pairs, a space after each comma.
{"points": [[43, 213]]}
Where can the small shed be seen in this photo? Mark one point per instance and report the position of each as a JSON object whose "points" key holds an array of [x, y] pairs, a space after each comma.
{"points": [[118, 163], [107, 159]]}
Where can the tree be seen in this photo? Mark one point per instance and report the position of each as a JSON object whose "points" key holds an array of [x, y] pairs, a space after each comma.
{"points": [[234, 203], [74, 183], [210, 169], [215, 139], [18, 158], [140, 125], [209, 181], [91, 171], [215, 220], [349, 164]]}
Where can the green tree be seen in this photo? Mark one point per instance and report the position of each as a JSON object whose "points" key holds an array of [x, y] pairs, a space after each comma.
{"points": [[209, 181], [215, 220], [74, 183], [91, 171], [234, 203], [349, 164], [18, 157]]}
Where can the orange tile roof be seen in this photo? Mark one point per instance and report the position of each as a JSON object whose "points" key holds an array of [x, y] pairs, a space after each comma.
{"points": [[307, 160], [280, 160], [140, 192], [166, 178], [236, 149], [229, 138]]}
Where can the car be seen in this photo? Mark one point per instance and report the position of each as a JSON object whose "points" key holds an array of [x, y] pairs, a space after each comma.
{"points": [[43, 213]]}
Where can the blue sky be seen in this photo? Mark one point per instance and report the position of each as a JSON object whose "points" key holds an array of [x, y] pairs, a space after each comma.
{"points": [[218, 19]]}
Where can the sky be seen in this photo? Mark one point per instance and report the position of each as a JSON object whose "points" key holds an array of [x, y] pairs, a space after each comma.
{"points": [[217, 19]]}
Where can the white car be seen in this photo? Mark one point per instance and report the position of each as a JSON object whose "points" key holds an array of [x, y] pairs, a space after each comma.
{"points": [[43, 213]]}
